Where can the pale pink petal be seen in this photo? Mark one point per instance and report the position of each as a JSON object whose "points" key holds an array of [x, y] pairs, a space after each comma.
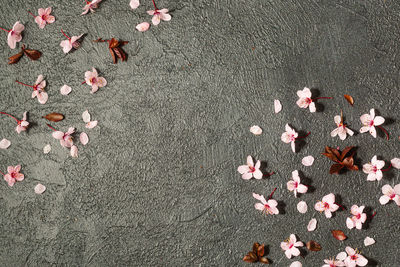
{"points": [[91, 124], [277, 106], [134, 4], [274, 210], [259, 206], [65, 89], [4, 143], [379, 120], [330, 198], [349, 223], [295, 251], [142, 27], [328, 214], [302, 207], [243, 169], [341, 256], [18, 27], [288, 253], [288, 128], [307, 161], [372, 131], [396, 163], [364, 129], [371, 177], [95, 88], [42, 97], [296, 264], [247, 175], [19, 177], [387, 189], [397, 189], [298, 244], [58, 135], [258, 174], [156, 19], [101, 82], [312, 225], [384, 199], [284, 245], [66, 46], [378, 175], [335, 132], [286, 138], [337, 120], [291, 185], [361, 261], [11, 41], [150, 12], [312, 107], [39, 189], [83, 137], [349, 132], [293, 146], [17, 168], [396, 199], [50, 19], [256, 130], [368, 241], [342, 133], [272, 202], [47, 149], [302, 188], [86, 116], [350, 251], [333, 207], [74, 151], [250, 161]]}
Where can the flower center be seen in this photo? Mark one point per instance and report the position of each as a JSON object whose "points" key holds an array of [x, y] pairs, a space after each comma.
{"points": [[374, 168], [358, 216], [392, 196], [296, 184], [252, 169], [353, 257], [371, 123], [94, 80], [291, 245], [308, 100], [326, 205]]}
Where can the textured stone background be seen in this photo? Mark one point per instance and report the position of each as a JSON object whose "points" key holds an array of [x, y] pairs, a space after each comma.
{"points": [[157, 184]]}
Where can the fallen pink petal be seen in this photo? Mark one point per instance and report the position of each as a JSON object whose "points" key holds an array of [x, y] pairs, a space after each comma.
{"points": [[65, 89], [312, 225], [4, 144], [83, 137], [308, 161], [134, 4], [142, 27], [39, 189], [256, 130], [277, 106], [302, 207]]}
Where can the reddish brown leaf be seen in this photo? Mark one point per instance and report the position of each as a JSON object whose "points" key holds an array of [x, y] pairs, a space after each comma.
{"points": [[54, 117], [345, 151], [120, 53], [339, 235], [349, 99], [257, 254], [263, 260], [113, 56], [335, 168], [255, 247], [313, 246], [261, 250], [251, 257], [15, 58], [113, 43], [32, 54]]}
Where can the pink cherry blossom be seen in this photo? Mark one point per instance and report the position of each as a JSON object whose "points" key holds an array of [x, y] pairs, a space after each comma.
{"points": [[358, 218], [370, 121], [290, 137], [134, 4], [66, 139], [354, 258], [23, 124], [13, 175], [305, 100], [14, 35], [142, 27], [38, 90], [290, 246], [159, 14], [92, 79], [250, 170], [327, 205], [269, 207], [373, 169], [71, 42], [341, 129], [90, 6], [390, 193], [338, 262], [44, 17], [295, 185]]}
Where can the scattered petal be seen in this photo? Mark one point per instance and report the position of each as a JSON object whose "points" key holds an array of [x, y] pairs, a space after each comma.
{"points": [[308, 161], [47, 149], [312, 225], [74, 151], [368, 241], [134, 4], [86, 116], [277, 106], [302, 207], [256, 130], [84, 138], [349, 99], [296, 264], [65, 89], [395, 163], [91, 124], [39, 189], [339, 235], [4, 144], [142, 27]]}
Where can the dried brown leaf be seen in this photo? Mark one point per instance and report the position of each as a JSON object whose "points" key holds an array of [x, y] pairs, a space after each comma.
{"points": [[335, 168], [15, 58], [349, 99], [120, 53], [263, 260], [113, 43], [54, 117], [114, 58], [255, 247], [261, 250], [340, 159], [339, 235], [313, 246], [32, 54]]}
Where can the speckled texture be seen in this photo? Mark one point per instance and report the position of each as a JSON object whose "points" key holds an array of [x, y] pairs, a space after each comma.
{"points": [[157, 184]]}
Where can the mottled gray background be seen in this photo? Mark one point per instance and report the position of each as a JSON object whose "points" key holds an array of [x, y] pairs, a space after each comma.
{"points": [[157, 184]]}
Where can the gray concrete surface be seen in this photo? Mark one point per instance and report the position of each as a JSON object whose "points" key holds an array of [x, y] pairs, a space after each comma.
{"points": [[157, 184]]}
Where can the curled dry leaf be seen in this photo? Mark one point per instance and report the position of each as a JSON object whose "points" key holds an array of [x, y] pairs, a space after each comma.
{"points": [[114, 46], [342, 160], [39, 189], [339, 235], [368, 241], [349, 99], [277, 106], [313, 246], [257, 254], [54, 117], [47, 149], [15, 58], [302, 207], [30, 53], [312, 225], [307, 161], [4, 144], [256, 130]]}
